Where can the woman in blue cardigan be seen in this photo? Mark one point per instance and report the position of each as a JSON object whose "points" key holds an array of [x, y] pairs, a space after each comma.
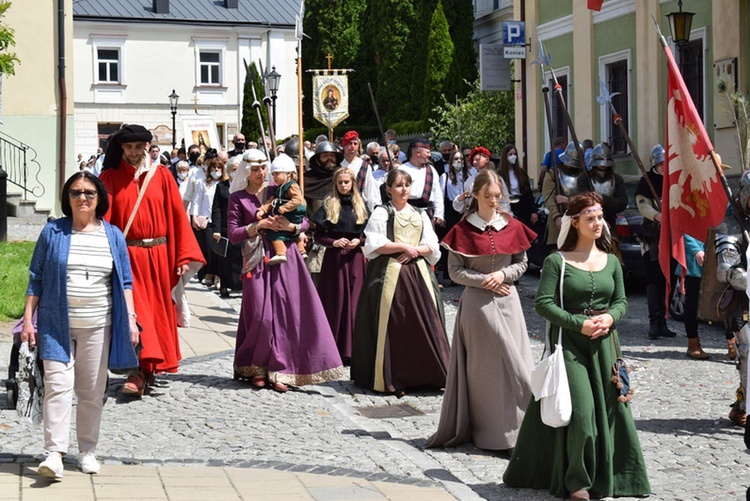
{"points": [[80, 286]]}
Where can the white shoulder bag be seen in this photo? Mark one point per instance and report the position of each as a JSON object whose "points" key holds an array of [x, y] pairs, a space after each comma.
{"points": [[549, 380]]}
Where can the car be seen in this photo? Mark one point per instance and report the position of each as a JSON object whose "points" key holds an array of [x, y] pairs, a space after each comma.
{"points": [[628, 231]]}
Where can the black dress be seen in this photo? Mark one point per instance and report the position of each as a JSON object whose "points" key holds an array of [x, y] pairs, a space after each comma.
{"points": [[229, 267]]}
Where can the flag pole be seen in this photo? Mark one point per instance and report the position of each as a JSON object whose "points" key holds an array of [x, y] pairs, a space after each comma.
{"points": [[300, 149]]}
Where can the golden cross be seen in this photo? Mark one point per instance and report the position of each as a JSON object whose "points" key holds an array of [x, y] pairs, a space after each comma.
{"points": [[195, 103], [329, 57]]}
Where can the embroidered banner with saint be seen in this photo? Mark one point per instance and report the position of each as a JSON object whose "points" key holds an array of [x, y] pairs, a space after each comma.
{"points": [[330, 97]]}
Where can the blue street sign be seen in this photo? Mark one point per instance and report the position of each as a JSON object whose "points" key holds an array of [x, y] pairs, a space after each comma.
{"points": [[514, 33]]}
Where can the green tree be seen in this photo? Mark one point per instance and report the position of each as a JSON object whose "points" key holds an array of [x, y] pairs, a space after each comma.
{"points": [[250, 127], [334, 28], [439, 59], [463, 70], [484, 118], [391, 23], [8, 60]]}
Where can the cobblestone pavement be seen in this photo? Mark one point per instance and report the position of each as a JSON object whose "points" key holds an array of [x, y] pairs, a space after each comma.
{"points": [[201, 416]]}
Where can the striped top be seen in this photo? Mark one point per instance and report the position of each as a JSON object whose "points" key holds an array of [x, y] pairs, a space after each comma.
{"points": [[89, 280]]}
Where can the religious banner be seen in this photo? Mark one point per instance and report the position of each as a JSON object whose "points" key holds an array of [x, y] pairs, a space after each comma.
{"points": [[693, 198], [330, 97], [200, 130]]}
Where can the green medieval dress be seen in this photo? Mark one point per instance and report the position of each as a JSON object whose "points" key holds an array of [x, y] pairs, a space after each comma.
{"points": [[599, 450]]}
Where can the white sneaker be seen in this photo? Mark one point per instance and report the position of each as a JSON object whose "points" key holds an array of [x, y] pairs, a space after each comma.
{"points": [[88, 463], [52, 467]]}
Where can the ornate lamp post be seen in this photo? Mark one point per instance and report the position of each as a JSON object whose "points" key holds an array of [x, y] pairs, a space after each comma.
{"points": [[679, 24], [273, 85], [173, 99]]}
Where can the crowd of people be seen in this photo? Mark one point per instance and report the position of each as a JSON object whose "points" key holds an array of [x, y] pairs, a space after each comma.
{"points": [[346, 269]]}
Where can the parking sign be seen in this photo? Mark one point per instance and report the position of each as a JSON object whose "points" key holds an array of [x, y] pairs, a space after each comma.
{"points": [[514, 33]]}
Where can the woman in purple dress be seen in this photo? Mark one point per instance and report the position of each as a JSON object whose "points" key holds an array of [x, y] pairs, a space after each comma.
{"points": [[283, 336], [339, 227]]}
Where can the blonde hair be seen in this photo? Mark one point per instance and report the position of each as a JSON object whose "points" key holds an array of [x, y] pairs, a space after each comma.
{"points": [[332, 202], [482, 181]]}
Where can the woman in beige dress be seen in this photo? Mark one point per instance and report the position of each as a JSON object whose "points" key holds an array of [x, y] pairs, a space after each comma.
{"points": [[488, 386]]}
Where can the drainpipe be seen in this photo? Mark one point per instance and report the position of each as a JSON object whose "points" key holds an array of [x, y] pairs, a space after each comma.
{"points": [[524, 118], [63, 90]]}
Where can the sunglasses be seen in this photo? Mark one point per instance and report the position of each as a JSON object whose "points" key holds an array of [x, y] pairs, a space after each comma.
{"points": [[89, 194]]}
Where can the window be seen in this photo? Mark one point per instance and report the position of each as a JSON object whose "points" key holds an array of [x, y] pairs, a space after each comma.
{"points": [[210, 67], [691, 67], [616, 74], [559, 124], [108, 65]]}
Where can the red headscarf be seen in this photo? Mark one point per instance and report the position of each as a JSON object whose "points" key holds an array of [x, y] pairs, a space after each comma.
{"points": [[352, 134]]}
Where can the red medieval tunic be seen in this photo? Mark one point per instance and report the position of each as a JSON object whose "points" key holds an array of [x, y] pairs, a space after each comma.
{"points": [[161, 214]]}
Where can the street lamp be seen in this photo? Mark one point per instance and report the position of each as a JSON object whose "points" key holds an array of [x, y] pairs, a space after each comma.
{"points": [[273, 85], [173, 98], [679, 24]]}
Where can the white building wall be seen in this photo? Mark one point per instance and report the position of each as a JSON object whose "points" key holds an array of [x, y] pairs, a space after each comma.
{"points": [[158, 58]]}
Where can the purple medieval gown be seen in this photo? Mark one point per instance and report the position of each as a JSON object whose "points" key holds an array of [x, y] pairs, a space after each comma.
{"points": [[283, 331]]}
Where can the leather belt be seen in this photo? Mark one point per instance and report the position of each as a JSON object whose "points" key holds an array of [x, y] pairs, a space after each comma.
{"points": [[588, 311], [147, 242]]}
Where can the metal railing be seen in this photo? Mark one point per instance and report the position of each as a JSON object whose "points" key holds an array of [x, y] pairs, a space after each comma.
{"points": [[18, 160]]}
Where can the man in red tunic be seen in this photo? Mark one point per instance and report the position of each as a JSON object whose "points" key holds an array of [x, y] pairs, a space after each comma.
{"points": [[161, 246]]}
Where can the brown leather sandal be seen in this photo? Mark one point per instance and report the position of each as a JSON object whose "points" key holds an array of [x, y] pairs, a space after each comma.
{"points": [[134, 385]]}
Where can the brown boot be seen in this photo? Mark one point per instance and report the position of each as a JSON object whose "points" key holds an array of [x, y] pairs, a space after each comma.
{"points": [[731, 349], [694, 350]]}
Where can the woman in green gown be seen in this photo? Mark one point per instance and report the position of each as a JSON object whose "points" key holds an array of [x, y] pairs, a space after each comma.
{"points": [[598, 453]]}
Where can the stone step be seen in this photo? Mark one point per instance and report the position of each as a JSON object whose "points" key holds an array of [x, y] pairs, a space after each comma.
{"points": [[19, 207]]}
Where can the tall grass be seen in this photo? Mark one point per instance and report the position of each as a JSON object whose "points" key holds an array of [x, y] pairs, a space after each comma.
{"points": [[14, 277]]}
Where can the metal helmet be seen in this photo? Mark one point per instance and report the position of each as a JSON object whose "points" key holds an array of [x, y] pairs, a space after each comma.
{"points": [[569, 157], [291, 147], [601, 156], [744, 191], [325, 147], [657, 155]]}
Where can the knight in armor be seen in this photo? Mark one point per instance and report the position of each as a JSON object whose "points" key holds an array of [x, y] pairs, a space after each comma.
{"points": [[606, 182], [731, 271], [650, 209], [565, 175]]}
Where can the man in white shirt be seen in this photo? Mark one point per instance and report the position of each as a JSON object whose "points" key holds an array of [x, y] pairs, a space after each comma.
{"points": [[425, 181], [366, 184]]}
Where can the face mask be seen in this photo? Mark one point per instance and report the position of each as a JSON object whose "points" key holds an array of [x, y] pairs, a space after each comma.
{"points": [[239, 146], [230, 174], [182, 175], [216, 174], [447, 158], [512, 159], [194, 156], [457, 165]]}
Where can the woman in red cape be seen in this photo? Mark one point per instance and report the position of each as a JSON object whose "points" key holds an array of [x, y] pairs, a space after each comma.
{"points": [[488, 385]]}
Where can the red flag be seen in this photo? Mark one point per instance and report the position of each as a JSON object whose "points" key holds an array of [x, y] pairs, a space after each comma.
{"points": [[595, 5], [693, 198]]}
